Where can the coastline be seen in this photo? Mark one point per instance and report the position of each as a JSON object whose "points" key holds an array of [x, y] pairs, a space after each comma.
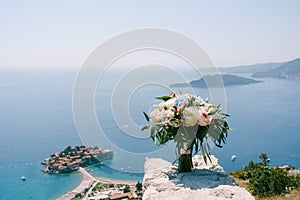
{"points": [[87, 181]]}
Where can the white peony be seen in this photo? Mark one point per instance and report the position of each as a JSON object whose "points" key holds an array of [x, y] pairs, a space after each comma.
{"points": [[157, 115], [169, 103], [169, 114], [191, 116]]}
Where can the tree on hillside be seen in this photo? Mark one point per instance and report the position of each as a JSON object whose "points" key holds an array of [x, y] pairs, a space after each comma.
{"points": [[139, 186], [264, 158], [126, 189]]}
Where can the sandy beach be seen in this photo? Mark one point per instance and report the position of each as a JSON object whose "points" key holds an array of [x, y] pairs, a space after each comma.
{"points": [[87, 181]]}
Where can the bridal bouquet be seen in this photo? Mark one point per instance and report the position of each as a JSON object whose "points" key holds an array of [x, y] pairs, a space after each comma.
{"points": [[194, 124]]}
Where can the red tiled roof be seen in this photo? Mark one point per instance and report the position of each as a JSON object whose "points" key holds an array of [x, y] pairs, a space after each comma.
{"points": [[117, 196]]}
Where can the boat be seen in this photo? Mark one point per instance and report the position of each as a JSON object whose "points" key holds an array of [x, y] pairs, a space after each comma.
{"points": [[233, 157], [23, 178]]}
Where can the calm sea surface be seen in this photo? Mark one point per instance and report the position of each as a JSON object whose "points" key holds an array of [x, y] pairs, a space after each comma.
{"points": [[36, 120]]}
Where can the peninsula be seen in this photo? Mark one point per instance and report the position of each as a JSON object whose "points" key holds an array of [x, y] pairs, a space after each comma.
{"points": [[71, 158], [214, 81]]}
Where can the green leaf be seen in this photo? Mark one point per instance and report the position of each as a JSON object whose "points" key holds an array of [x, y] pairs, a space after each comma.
{"points": [[209, 158], [146, 116], [196, 145], [226, 115], [208, 147], [205, 159], [164, 98], [218, 145], [204, 153], [145, 128], [201, 132], [226, 125], [214, 133], [216, 109], [153, 131]]}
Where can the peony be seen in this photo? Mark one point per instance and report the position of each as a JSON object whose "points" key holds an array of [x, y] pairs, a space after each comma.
{"points": [[169, 114], [157, 115], [169, 103], [204, 119], [191, 116]]}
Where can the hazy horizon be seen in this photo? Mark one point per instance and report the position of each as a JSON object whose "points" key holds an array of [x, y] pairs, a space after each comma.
{"points": [[176, 65], [53, 33]]}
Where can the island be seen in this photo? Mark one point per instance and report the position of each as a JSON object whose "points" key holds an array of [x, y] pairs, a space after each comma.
{"points": [[71, 158], [214, 81]]}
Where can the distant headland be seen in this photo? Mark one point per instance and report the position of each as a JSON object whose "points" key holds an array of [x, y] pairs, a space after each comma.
{"points": [[289, 70], [213, 81], [71, 158]]}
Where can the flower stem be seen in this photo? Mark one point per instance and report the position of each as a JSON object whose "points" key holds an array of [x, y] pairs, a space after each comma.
{"points": [[185, 163]]}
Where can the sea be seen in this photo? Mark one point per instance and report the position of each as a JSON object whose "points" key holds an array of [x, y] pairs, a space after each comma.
{"points": [[36, 120]]}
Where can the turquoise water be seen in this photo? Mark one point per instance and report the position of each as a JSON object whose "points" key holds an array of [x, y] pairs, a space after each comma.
{"points": [[36, 120], [37, 185], [265, 118], [101, 170]]}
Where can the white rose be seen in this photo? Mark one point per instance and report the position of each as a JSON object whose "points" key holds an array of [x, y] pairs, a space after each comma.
{"points": [[191, 115], [157, 115], [169, 103], [169, 114], [204, 119]]}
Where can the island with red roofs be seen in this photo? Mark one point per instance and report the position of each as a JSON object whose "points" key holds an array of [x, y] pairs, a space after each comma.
{"points": [[72, 158]]}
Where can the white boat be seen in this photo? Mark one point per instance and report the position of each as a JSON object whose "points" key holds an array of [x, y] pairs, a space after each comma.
{"points": [[233, 157], [23, 178]]}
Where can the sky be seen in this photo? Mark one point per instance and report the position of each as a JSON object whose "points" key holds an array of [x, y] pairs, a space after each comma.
{"points": [[59, 33]]}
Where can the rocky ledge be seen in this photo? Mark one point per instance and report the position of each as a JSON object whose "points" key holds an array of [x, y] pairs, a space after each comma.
{"points": [[161, 181]]}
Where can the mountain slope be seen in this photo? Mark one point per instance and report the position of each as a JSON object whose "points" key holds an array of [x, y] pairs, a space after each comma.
{"points": [[289, 70], [260, 67]]}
